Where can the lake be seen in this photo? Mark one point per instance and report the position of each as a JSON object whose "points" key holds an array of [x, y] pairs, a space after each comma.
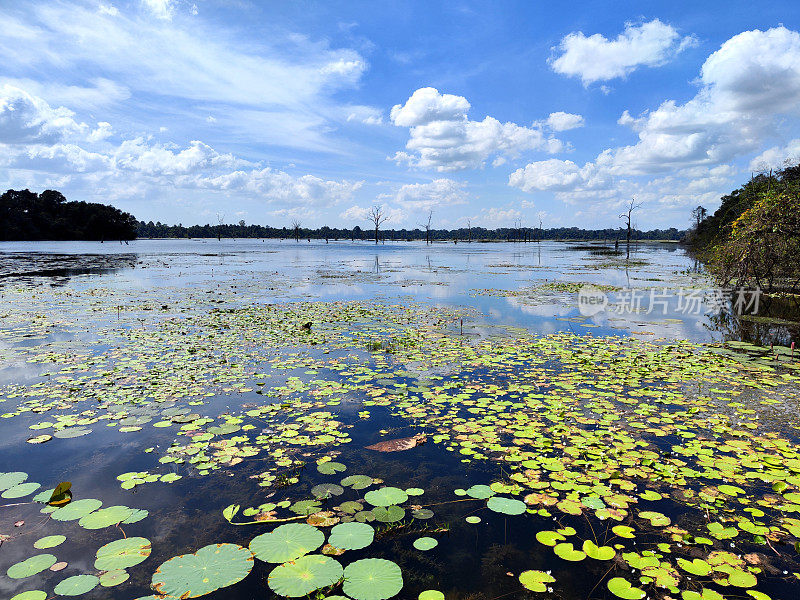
{"points": [[563, 421]]}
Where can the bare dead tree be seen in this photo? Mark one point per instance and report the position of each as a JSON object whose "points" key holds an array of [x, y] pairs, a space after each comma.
{"points": [[296, 228], [427, 227], [377, 216], [220, 223], [626, 217], [539, 236], [469, 231]]}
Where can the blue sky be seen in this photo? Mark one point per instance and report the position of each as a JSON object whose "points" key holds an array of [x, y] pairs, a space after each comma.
{"points": [[494, 113]]}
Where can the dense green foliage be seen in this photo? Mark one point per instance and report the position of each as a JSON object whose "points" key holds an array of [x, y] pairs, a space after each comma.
{"points": [[26, 215], [753, 239]]}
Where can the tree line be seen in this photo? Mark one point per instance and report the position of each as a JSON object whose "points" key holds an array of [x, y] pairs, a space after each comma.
{"points": [[26, 215], [464, 234], [753, 238]]}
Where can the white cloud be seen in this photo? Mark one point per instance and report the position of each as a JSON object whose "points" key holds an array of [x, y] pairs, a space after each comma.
{"points": [[564, 121], [496, 217], [367, 115], [395, 216], [103, 131], [34, 137], [777, 157], [162, 9], [597, 58], [108, 9], [27, 119], [747, 87], [277, 89], [427, 196], [444, 139]]}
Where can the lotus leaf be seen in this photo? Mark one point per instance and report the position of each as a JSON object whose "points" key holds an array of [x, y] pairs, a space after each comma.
{"points": [[122, 554], [372, 579], [386, 496], [305, 575], [287, 542], [535, 580], [210, 568], [351, 536], [31, 566]]}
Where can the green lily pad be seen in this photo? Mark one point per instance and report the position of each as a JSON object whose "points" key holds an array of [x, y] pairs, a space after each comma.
{"points": [[210, 568], [326, 490], [77, 585], [50, 541], [566, 551], [331, 467], [536, 581], [431, 595], [481, 492], [372, 579], [425, 543], [122, 554], [386, 496], [472, 519], [506, 506], [114, 577], [357, 482], [549, 538], [21, 490], [30, 595], [105, 517], [596, 552], [9, 480], [351, 536], [388, 514], [305, 575], [77, 509], [287, 542], [622, 588], [31, 566]]}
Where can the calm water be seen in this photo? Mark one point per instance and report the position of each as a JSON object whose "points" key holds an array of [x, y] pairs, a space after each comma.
{"points": [[81, 298]]}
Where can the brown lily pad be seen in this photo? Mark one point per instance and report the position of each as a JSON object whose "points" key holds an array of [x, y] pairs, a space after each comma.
{"points": [[399, 444]]}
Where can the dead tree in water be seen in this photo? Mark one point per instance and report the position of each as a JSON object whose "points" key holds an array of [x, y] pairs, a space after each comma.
{"points": [[220, 223], [377, 216], [296, 228], [626, 217], [469, 231], [427, 227]]}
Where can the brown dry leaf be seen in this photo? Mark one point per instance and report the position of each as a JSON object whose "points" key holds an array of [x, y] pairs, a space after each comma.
{"points": [[19, 523], [332, 550], [59, 566], [399, 444]]}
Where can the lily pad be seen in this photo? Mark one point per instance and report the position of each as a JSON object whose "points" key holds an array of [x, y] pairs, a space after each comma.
{"points": [[386, 496], [122, 554], [372, 579], [287, 542], [506, 506], [212, 567], [31, 566], [77, 585], [622, 588], [105, 517], [331, 467], [114, 577], [50, 541], [425, 543], [77, 509], [305, 575], [536, 581], [351, 536], [21, 490]]}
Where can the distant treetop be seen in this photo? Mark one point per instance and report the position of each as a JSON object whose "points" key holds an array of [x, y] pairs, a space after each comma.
{"points": [[27, 216]]}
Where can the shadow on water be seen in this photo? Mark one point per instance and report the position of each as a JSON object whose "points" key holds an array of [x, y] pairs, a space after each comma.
{"points": [[28, 267]]}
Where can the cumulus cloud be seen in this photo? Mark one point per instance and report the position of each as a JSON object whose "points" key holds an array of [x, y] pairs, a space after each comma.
{"points": [[597, 58], [564, 121], [27, 119], [777, 157], [443, 138], [35, 137], [435, 194], [746, 87]]}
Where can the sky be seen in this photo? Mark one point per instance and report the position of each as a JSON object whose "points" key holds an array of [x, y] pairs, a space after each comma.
{"points": [[492, 114]]}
